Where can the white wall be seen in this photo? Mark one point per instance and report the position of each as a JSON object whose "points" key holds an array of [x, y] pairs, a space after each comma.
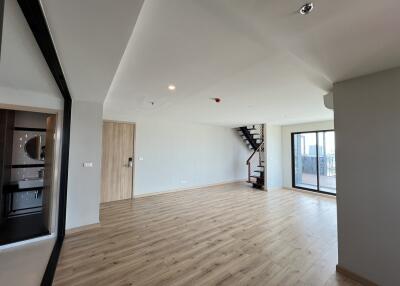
{"points": [[273, 154], [25, 78], [30, 99], [83, 199], [181, 155], [287, 130], [367, 117]]}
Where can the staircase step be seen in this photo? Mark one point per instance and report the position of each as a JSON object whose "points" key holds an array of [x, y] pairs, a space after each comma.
{"points": [[258, 186], [257, 177]]}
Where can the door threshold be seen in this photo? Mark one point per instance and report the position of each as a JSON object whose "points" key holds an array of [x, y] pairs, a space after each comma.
{"points": [[27, 241], [311, 192]]}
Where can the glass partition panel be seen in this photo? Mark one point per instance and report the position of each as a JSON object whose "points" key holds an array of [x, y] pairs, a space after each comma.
{"points": [[326, 162], [305, 160]]}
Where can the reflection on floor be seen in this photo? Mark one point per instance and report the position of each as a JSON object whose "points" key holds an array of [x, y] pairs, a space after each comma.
{"points": [[22, 228], [25, 265]]}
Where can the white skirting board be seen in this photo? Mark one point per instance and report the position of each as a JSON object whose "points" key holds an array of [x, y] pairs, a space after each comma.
{"points": [[190, 188]]}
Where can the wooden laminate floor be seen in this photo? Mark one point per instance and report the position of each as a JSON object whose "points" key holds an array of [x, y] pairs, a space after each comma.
{"points": [[226, 235]]}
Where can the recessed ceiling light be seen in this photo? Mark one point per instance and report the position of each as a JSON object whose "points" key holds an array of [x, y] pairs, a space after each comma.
{"points": [[171, 87], [306, 8]]}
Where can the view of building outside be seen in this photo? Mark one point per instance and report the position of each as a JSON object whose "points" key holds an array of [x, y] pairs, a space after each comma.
{"points": [[314, 161]]}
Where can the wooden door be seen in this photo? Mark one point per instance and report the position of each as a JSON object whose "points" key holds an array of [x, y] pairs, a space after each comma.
{"points": [[47, 192], [117, 172]]}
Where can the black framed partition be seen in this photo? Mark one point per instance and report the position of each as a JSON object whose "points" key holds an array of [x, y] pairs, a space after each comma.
{"points": [[34, 15], [313, 161], [1, 22]]}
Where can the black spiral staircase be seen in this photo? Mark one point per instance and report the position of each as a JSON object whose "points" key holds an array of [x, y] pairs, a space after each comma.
{"points": [[253, 136]]}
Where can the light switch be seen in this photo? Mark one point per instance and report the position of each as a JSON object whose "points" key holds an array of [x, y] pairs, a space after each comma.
{"points": [[140, 158], [88, 164]]}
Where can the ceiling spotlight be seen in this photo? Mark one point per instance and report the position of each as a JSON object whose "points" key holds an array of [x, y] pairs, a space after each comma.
{"points": [[171, 87], [306, 8]]}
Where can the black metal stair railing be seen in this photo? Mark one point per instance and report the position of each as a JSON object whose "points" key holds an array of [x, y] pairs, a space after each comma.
{"points": [[259, 180], [254, 137]]}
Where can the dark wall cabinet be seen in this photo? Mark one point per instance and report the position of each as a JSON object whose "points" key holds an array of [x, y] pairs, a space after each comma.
{"points": [[7, 118]]}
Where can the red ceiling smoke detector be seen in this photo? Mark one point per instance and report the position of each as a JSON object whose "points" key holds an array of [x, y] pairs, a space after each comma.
{"points": [[216, 99]]}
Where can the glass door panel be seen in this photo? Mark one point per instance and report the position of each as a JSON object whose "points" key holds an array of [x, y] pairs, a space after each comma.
{"points": [[326, 161], [305, 160], [314, 166]]}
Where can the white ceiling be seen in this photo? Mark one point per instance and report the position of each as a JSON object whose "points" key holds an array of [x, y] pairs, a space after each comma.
{"points": [[90, 37], [266, 62], [23, 70]]}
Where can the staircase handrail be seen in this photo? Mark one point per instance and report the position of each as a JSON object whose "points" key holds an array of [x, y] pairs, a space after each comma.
{"points": [[248, 160], [255, 151]]}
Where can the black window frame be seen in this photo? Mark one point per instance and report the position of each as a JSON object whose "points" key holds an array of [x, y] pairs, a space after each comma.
{"points": [[317, 155]]}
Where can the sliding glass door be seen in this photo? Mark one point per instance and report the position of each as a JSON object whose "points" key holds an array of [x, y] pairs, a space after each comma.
{"points": [[313, 161], [326, 162], [305, 166]]}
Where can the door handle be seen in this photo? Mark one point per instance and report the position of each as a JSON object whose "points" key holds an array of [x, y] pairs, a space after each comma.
{"points": [[130, 162]]}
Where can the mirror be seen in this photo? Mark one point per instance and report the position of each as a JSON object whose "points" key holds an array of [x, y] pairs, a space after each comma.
{"points": [[34, 148]]}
